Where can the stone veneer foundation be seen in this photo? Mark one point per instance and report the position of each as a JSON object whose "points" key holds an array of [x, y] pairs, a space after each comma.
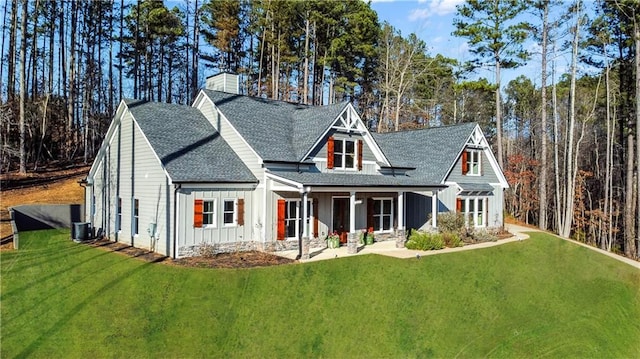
{"points": [[275, 246]]}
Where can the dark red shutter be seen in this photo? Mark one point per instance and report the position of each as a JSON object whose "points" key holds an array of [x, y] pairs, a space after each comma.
{"points": [[241, 211], [197, 213], [458, 204], [370, 213], [281, 208], [330, 153], [465, 165], [316, 223], [359, 155]]}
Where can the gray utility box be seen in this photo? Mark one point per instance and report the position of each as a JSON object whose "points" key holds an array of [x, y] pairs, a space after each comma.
{"points": [[80, 231]]}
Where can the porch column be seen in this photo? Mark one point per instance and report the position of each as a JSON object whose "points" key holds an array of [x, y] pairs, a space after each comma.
{"points": [[352, 240], [400, 234], [434, 209], [401, 219], [305, 214], [304, 243]]}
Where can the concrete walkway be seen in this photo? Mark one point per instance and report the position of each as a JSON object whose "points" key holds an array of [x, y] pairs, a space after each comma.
{"points": [[388, 248]]}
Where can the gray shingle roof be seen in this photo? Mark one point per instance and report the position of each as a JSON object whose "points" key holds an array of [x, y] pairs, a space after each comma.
{"points": [[475, 187], [353, 179], [432, 151], [188, 146], [276, 130]]}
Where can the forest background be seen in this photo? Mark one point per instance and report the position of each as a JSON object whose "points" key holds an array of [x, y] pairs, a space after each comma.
{"points": [[566, 141]]}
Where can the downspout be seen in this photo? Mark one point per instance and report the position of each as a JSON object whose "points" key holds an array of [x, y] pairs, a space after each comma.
{"points": [[118, 201], [175, 218]]}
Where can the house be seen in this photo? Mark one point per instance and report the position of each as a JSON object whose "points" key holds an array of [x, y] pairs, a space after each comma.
{"points": [[244, 173]]}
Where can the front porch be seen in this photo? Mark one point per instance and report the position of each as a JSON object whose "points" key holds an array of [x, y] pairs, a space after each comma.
{"points": [[341, 211], [388, 248]]}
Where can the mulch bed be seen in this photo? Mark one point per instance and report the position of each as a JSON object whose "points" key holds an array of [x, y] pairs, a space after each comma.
{"points": [[234, 260], [249, 259]]}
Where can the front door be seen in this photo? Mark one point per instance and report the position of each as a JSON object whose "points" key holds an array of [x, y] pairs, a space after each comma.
{"points": [[341, 218]]}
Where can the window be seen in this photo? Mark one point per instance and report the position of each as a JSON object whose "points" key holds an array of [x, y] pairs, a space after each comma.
{"points": [[474, 210], [208, 213], [382, 214], [471, 163], [229, 214], [344, 153], [136, 216], [292, 217], [119, 215]]}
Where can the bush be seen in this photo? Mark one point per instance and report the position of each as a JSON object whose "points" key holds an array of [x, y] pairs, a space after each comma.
{"points": [[452, 239], [451, 222], [482, 235], [425, 241]]}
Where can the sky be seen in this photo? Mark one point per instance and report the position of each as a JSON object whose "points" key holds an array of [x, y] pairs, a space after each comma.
{"points": [[432, 21]]}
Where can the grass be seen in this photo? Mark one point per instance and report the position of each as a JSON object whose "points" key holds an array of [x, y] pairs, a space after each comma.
{"points": [[542, 297]]}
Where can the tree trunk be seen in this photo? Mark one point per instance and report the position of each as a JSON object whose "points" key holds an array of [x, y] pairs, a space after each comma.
{"points": [[570, 171], [637, 133], [556, 154], [606, 233], [195, 55], [305, 83], [23, 92], [11, 73], [34, 52], [498, 114], [4, 26], [72, 80], [542, 181]]}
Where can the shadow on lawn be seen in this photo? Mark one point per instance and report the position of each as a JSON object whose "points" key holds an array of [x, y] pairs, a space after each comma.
{"points": [[67, 316]]}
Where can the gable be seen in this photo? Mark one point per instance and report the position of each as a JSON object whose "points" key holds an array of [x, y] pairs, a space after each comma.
{"points": [[348, 124], [188, 147], [490, 170], [113, 126]]}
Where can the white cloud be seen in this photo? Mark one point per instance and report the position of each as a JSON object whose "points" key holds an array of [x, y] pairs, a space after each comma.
{"points": [[419, 14], [436, 7]]}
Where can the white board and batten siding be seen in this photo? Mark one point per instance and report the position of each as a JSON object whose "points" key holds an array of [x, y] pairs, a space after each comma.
{"points": [[138, 163], [190, 235]]}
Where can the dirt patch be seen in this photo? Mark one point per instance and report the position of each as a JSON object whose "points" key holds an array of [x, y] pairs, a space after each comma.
{"points": [[222, 260]]}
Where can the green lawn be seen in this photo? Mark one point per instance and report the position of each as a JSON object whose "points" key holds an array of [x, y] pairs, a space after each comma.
{"points": [[542, 297]]}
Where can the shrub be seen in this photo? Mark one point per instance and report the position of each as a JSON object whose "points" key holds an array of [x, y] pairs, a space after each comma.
{"points": [[452, 239], [425, 241], [451, 222], [482, 235]]}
